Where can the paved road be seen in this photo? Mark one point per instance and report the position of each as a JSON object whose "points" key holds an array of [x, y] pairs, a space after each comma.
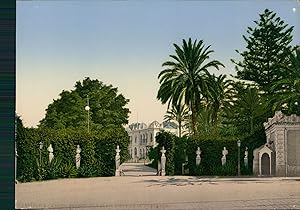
{"points": [[137, 169], [140, 189], [153, 192]]}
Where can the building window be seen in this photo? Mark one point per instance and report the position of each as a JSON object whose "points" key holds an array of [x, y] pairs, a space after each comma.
{"points": [[135, 139], [151, 137]]}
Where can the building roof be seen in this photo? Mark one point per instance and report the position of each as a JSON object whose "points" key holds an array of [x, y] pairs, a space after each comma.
{"points": [[154, 124], [170, 125]]}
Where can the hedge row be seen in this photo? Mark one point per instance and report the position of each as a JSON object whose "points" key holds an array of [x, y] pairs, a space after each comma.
{"points": [[97, 153], [178, 148]]}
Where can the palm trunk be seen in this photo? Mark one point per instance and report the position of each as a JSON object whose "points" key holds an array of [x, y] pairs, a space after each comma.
{"points": [[179, 125], [214, 123], [194, 126]]}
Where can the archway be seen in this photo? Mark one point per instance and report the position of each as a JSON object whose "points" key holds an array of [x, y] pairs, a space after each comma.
{"points": [[265, 165]]}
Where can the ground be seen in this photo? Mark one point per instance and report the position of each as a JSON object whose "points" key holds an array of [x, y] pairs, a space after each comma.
{"points": [[154, 192]]}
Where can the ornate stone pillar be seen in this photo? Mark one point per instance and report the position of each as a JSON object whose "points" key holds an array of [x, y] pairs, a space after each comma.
{"points": [[198, 157], [117, 158], [163, 161], [50, 150]]}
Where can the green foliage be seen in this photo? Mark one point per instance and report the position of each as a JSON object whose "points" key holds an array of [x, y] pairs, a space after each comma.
{"points": [[68, 171], [107, 107], [177, 149], [168, 141], [268, 48], [97, 153], [179, 113], [287, 90], [248, 112], [54, 169], [185, 78]]}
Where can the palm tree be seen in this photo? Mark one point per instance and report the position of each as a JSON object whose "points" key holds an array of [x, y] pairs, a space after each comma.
{"points": [[287, 90], [249, 110], [219, 96], [185, 77], [179, 113]]}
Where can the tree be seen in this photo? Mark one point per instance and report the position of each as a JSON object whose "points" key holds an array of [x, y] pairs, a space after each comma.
{"points": [[267, 50], [179, 113], [249, 110], [219, 97], [107, 107], [184, 78], [287, 90]]}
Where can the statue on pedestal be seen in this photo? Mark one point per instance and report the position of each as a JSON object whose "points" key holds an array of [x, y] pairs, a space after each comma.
{"points": [[198, 157], [78, 158], [50, 150], [224, 152], [163, 161]]}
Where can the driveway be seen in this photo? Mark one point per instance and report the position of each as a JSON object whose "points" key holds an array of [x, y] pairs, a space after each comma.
{"points": [[154, 192]]}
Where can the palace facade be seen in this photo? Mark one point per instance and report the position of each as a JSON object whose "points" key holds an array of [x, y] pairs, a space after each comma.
{"points": [[142, 137]]}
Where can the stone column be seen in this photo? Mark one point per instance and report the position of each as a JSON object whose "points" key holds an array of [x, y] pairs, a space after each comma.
{"points": [[78, 157], [280, 153], [117, 158], [223, 159], [198, 158], [50, 150], [158, 168], [163, 161]]}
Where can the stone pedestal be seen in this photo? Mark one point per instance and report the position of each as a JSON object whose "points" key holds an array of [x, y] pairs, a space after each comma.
{"points": [[198, 157], [78, 157], [117, 159], [50, 150], [163, 162], [246, 158], [223, 159]]}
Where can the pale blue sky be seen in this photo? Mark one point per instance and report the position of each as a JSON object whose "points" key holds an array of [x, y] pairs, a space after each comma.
{"points": [[123, 43]]}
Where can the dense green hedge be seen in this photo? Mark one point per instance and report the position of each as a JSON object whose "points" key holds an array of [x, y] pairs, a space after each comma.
{"points": [[97, 153], [178, 148]]}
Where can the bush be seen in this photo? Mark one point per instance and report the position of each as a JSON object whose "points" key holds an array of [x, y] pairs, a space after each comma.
{"points": [[177, 148], [97, 153]]}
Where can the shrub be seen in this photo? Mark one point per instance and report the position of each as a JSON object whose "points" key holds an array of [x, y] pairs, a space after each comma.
{"points": [[97, 153]]}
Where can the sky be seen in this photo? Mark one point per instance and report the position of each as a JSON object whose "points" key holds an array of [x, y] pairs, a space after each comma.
{"points": [[124, 43]]}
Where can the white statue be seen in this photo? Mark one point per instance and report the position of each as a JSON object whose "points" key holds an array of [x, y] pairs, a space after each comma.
{"points": [[117, 159], [163, 161], [50, 150], [198, 157], [246, 157], [224, 152], [77, 157]]}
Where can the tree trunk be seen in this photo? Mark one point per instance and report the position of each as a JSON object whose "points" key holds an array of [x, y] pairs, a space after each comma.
{"points": [[194, 126], [179, 126]]}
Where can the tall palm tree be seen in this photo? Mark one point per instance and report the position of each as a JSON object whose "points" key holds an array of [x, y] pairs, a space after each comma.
{"points": [[219, 96], [179, 113], [287, 90], [185, 77]]}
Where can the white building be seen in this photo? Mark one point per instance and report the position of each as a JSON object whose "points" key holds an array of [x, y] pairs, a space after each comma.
{"points": [[142, 137]]}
